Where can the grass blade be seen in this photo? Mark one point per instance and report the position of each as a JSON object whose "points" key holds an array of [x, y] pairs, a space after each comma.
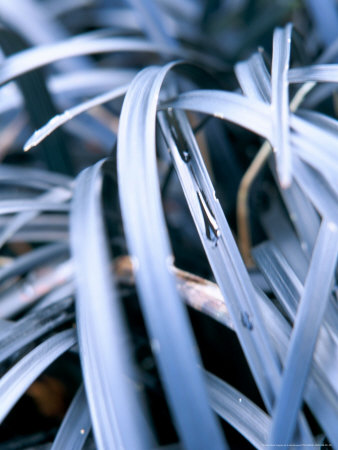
{"points": [[16, 381], [239, 411], [116, 414], [280, 103], [303, 339], [166, 321], [32, 327], [69, 114], [76, 424]]}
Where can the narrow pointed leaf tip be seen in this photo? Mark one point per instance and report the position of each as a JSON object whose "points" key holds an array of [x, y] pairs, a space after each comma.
{"points": [[70, 113]]}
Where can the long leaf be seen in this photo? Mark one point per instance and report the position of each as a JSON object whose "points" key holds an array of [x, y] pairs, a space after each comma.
{"points": [[280, 103], [308, 321], [116, 414], [76, 424], [16, 381], [166, 321]]}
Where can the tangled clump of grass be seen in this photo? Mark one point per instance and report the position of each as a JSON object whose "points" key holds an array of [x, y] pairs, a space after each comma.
{"points": [[154, 120]]}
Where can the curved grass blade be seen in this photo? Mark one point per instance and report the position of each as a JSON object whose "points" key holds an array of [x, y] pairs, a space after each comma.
{"points": [[318, 191], [76, 424], [302, 214], [288, 290], [39, 29], [254, 78], [69, 114], [319, 132], [303, 339], [250, 114], [33, 326], [16, 206], [15, 382], [285, 284], [280, 103], [278, 228], [224, 258], [321, 73], [57, 195], [319, 160], [88, 82], [34, 58], [116, 414], [43, 178], [319, 395], [148, 244], [247, 418], [321, 389]]}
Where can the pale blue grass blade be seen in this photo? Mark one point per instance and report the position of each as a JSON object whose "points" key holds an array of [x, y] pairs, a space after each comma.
{"points": [[256, 84], [326, 136], [302, 214], [284, 283], [321, 73], [17, 380], [317, 190], [45, 29], [224, 258], [16, 206], [33, 326], [315, 157], [316, 143], [321, 391], [303, 339], [14, 174], [76, 424], [117, 416], [254, 78], [70, 86], [247, 113], [37, 26], [70, 113], [247, 418], [280, 103], [36, 57], [123, 20], [89, 82], [278, 228], [148, 243], [56, 195]]}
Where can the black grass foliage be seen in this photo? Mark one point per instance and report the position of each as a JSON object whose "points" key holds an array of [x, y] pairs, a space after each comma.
{"points": [[148, 148]]}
